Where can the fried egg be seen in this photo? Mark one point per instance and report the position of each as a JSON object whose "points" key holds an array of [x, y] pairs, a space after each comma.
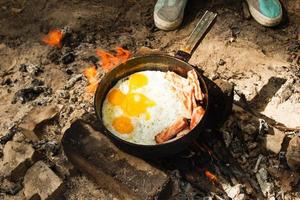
{"points": [[140, 106]]}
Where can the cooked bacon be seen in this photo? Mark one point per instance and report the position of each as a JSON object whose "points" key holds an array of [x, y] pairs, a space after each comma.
{"points": [[197, 115], [177, 81], [171, 131], [193, 100], [183, 133], [194, 82], [187, 101]]}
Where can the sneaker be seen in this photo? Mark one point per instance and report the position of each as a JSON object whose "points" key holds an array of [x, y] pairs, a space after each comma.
{"points": [[168, 14], [266, 12]]}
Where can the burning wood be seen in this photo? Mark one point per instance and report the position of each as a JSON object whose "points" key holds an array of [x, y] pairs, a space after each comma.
{"points": [[91, 74], [54, 38], [210, 176], [109, 61]]}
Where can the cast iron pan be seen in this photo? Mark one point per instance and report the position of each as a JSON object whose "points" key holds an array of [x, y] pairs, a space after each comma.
{"points": [[159, 62]]}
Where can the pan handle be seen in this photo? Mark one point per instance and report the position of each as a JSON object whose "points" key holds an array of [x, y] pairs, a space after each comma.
{"points": [[201, 29]]}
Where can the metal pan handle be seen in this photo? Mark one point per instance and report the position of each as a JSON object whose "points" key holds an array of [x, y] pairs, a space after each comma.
{"points": [[201, 29]]}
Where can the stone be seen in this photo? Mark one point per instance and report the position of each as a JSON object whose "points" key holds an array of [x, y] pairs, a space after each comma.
{"points": [[234, 191], [287, 178], [41, 182], [17, 158], [221, 62], [266, 187], [10, 188], [273, 142], [125, 175], [18, 196], [240, 197], [37, 116], [293, 153]]}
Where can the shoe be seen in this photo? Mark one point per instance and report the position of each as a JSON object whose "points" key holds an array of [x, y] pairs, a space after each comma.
{"points": [[168, 14], [266, 12]]}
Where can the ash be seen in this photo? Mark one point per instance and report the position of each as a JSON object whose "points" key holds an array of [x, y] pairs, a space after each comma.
{"points": [[255, 153]]}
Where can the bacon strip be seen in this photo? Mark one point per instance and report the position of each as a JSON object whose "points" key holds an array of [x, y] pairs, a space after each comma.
{"points": [[183, 133], [177, 81], [194, 82], [171, 131], [197, 115]]}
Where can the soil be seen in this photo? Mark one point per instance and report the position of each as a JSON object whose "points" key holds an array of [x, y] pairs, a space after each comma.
{"points": [[263, 63]]}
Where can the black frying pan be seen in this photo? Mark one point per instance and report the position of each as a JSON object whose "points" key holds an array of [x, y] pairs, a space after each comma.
{"points": [[159, 62]]}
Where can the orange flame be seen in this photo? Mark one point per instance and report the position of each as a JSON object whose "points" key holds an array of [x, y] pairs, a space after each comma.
{"points": [[109, 61], [53, 38], [210, 176], [91, 74]]}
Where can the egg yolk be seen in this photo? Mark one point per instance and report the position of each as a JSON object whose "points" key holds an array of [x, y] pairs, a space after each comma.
{"points": [[123, 125], [115, 97], [137, 81], [133, 104]]}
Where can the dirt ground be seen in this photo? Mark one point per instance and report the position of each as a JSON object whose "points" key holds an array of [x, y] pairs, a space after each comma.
{"points": [[263, 63]]}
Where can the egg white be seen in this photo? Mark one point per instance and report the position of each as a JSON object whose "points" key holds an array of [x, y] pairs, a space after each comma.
{"points": [[167, 110]]}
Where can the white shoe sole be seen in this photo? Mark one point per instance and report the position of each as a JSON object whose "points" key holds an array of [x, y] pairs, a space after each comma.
{"points": [[165, 25], [263, 20]]}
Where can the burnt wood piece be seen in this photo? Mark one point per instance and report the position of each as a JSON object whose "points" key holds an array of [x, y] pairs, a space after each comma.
{"points": [[127, 176]]}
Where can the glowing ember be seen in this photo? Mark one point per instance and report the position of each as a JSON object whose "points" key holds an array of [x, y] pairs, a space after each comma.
{"points": [[109, 61], [53, 38], [210, 176], [91, 74]]}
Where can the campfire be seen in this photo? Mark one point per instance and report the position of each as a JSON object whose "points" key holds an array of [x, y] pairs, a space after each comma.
{"points": [[114, 108]]}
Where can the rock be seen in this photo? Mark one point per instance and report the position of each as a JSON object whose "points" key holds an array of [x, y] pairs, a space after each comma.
{"points": [[17, 158], [18, 196], [221, 62], [37, 116], [266, 187], [293, 154], [10, 188], [273, 142], [288, 179], [234, 192], [41, 182]]}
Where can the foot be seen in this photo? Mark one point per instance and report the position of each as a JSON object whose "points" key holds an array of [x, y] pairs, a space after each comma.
{"points": [[168, 14], [266, 12]]}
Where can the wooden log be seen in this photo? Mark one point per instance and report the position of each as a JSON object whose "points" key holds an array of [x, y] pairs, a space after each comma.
{"points": [[125, 175]]}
